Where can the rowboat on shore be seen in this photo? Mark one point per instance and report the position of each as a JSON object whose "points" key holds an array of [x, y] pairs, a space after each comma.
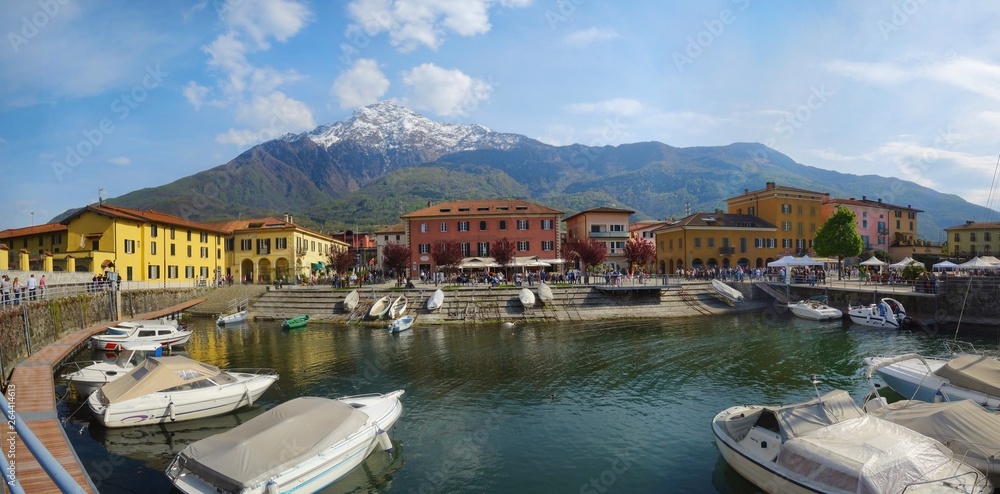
{"points": [[295, 322], [351, 300], [380, 307], [527, 298]]}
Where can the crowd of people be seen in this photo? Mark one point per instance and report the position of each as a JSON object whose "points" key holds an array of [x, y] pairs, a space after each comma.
{"points": [[12, 292]]}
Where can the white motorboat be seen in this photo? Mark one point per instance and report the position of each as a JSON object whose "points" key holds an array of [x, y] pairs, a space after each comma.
{"points": [[969, 430], [545, 293], [965, 377], [887, 313], [165, 334], [398, 307], [351, 300], [88, 379], [727, 293], [526, 297], [172, 389], [401, 324], [814, 310], [234, 318], [828, 444], [302, 445], [380, 307], [435, 301]]}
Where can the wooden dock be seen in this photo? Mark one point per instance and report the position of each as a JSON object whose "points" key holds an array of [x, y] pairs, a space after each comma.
{"points": [[31, 393]]}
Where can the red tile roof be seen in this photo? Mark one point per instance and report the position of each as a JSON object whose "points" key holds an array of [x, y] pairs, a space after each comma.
{"points": [[481, 208], [33, 230], [143, 216], [865, 202], [601, 209]]}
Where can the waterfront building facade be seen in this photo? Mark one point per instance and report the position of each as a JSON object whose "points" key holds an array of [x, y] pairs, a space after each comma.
{"points": [[974, 238], [395, 234], [715, 240], [37, 244], [604, 224], [475, 225], [880, 224], [796, 213]]}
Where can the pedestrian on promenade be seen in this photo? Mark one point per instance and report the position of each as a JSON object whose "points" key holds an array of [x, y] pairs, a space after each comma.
{"points": [[41, 287], [4, 291], [32, 286], [16, 288]]}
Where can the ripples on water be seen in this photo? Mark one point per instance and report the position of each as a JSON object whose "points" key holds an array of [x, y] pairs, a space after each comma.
{"points": [[606, 406]]}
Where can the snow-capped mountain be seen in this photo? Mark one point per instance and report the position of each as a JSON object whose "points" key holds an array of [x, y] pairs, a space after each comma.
{"points": [[395, 129]]}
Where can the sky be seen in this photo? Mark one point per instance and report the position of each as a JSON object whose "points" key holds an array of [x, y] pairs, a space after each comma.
{"points": [[107, 97]]}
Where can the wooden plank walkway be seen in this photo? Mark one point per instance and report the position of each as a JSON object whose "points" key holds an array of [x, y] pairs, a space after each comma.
{"points": [[31, 392]]}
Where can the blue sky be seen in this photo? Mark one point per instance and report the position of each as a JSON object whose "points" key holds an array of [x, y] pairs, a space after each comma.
{"points": [[124, 95]]}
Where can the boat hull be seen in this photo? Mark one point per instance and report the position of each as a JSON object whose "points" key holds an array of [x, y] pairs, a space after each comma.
{"points": [[234, 318], [435, 301], [113, 343], [916, 381], [755, 470], [527, 298], [824, 313], [194, 404]]}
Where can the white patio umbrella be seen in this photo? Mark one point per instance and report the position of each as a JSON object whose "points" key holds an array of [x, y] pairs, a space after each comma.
{"points": [[944, 265], [781, 263], [806, 261], [975, 263], [872, 261], [906, 261]]}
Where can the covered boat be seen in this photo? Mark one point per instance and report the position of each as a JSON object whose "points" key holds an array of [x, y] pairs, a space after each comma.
{"points": [[727, 293], [168, 334], [170, 389], [435, 301], [545, 292], [233, 318], [526, 297], [965, 377], [301, 445], [814, 310], [351, 300], [969, 430], [887, 313], [87, 379], [829, 444]]}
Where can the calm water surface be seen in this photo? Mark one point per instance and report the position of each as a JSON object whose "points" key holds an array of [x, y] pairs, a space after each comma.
{"points": [[583, 407]]}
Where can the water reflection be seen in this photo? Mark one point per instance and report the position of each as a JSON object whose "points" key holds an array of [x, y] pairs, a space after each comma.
{"points": [[530, 408]]}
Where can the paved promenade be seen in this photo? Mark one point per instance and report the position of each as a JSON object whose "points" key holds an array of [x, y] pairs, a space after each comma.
{"points": [[31, 392]]}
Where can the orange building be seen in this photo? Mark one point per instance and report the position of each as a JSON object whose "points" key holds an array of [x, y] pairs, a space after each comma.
{"points": [[475, 225], [796, 213], [604, 224], [715, 240]]}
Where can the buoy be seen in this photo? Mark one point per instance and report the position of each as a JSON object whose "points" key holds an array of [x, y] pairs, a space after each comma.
{"points": [[938, 397], [272, 487], [384, 441], [170, 411]]}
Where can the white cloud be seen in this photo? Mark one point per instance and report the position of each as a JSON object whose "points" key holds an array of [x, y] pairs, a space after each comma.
{"points": [[269, 116], [120, 161], [412, 23], [445, 92], [615, 106], [260, 20], [195, 94], [360, 85], [975, 76], [587, 36]]}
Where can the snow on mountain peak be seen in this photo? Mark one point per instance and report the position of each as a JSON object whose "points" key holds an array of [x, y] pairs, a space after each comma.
{"points": [[388, 126]]}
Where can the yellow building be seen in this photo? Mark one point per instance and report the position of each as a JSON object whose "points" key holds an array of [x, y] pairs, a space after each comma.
{"points": [[39, 241], [604, 224], [715, 240], [265, 249], [796, 213], [974, 239]]}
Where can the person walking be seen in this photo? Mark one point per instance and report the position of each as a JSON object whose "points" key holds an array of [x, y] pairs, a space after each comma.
{"points": [[4, 291], [32, 286], [16, 288], [41, 287]]}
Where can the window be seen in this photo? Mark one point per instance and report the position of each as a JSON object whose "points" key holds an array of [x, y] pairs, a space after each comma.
{"points": [[786, 208], [189, 235], [130, 246], [152, 248], [786, 243], [799, 209], [522, 224], [812, 210], [246, 244], [743, 245], [911, 225], [772, 243], [864, 223], [548, 245], [463, 226], [972, 236], [444, 226], [786, 226], [204, 271], [423, 228], [204, 252], [172, 234], [956, 236], [424, 248], [41, 240], [897, 225], [864, 214], [483, 249], [671, 244], [153, 272], [189, 251], [616, 228], [280, 243], [986, 236], [171, 271], [595, 228], [189, 272], [230, 244], [711, 242], [617, 247], [800, 244], [204, 238], [173, 249], [751, 210], [503, 224], [758, 243], [466, 248], [57, 239], [697, 242], [546, 224], [522, 245], [152, 231], [312, 245], [263, 246], [482, 226], [647, 234], [218, 253]]}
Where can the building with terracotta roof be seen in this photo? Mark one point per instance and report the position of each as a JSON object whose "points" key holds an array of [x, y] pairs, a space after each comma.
{"points": [[604, 224], [880, 224], [716, 240], [475, 225], [395, 234], [974, 238], [797, 214]]}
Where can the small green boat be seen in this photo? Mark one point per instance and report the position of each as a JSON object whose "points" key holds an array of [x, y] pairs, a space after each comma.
{"points": [[295, 322]]}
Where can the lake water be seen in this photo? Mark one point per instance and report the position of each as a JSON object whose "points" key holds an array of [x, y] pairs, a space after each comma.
{"points": [[581, 407]]}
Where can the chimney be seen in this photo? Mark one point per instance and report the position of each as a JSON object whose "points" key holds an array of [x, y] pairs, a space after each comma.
{"points": [[864, 198], [746, 191], [852, 198], [880, 200], [769, 186]]}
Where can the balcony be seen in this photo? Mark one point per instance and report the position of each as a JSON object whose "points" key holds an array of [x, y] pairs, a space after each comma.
{"points": [[727, 251], [608, 234], [883, 230]]}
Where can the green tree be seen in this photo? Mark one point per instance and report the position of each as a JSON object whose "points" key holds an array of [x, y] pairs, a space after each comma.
{"points": [[839, 237]]}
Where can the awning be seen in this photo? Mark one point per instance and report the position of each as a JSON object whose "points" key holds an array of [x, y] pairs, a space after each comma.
{"points": [[107, 263]]}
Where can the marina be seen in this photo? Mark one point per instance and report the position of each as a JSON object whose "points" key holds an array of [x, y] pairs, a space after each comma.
{"points": [[581, 406]]}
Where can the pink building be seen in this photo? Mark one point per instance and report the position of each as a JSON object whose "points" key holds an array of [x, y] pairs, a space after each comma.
{"points": [[880, 224]]}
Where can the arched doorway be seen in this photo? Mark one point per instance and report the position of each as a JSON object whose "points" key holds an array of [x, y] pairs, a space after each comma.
{"points": [[246, 270], [264, 271], [725, 263], [759, 263], [281, 269], [712, 263], [697, 263], [743, 262], [663, 266]]}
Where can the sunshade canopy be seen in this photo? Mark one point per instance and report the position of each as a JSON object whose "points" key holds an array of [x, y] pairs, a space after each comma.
{"points": [[157, 374], [873, 261]]}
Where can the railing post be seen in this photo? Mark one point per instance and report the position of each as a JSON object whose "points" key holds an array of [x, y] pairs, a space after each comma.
{"points": [[27, 328]]}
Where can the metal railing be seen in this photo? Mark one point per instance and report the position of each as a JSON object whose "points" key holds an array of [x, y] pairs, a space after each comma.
{"points": [[63, 480]]}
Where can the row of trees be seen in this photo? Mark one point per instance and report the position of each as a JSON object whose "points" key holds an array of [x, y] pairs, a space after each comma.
{"points": [[448, 256]]}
